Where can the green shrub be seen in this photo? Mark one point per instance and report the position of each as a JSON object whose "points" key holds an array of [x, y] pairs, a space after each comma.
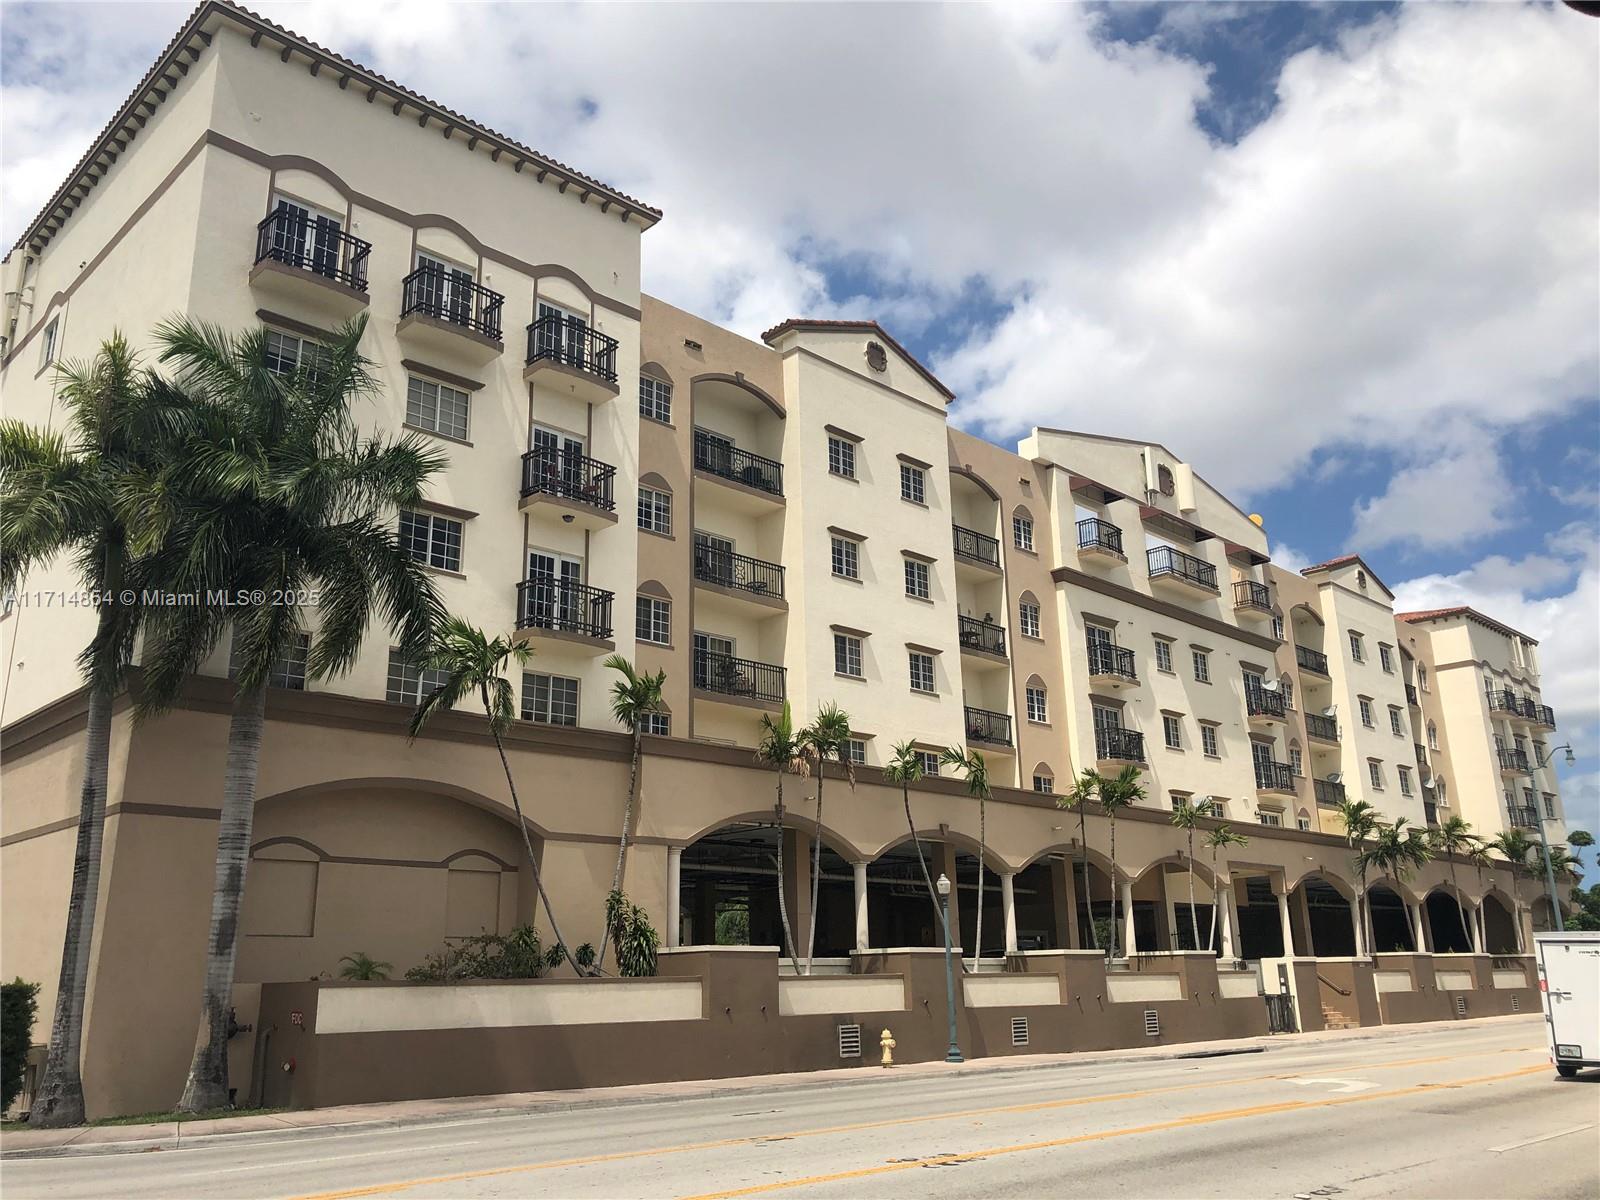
{"points": [[360, 966], [635, 938], [19, 1002], [515, 955]]}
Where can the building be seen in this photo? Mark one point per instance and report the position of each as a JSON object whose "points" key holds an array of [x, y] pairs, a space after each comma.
{"points": [[791, 520]]}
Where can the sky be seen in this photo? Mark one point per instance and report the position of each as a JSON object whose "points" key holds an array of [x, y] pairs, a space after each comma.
{"points": [[1344, 258]]}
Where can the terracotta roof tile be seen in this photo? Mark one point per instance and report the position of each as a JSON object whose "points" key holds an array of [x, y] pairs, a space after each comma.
{"points": [[1463, 610]]}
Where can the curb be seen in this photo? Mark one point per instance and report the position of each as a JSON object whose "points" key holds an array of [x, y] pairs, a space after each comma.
{"points": [[1259, 1045]]}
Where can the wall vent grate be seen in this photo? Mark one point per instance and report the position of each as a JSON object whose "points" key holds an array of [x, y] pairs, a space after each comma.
{"points": [[1461, 1006], [1152, 1023], [1516, 1003], [849, 1041], [1019, 1031]]}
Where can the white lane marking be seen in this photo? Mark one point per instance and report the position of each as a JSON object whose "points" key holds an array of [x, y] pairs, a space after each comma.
{"points": [[1338, 1085], [308, 1162], [1543, 1137]]}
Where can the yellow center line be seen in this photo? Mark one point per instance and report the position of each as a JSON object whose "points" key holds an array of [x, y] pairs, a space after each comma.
{"points": [[1210, 1118], [382, 1189]]}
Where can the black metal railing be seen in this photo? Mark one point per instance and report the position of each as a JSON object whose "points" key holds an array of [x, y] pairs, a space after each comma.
{"points": [[1247, 593], [1119, 745], [718, 456], [1311, 660], [743, 677], [1274, 777], [571, 342], [986, 726], [564, 607], [1514, 760], [1328, 793], [1319, 726], [1259, 702], [1166, 563], [1506, 701], [1523, 816], [313, 244], [713, 564], [981, 635], [452, 296], [550, 471], [1112, 660], [1411, 695], [976, 547], [1095, 534], [1430, 812], [1543, 714]]}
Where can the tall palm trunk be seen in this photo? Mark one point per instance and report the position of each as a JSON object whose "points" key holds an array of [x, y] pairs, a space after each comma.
{"points": [[1194, 913], [1461, 907], [622, 843], [983, 845], [1088, 896], [933, 894], [207, 1084], [58, 1101], [1216, 901], [816, 868], [527, 848], [1361, 915], [1113, 886], [783, 905]]}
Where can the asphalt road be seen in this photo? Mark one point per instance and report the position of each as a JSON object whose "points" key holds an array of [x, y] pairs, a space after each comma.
{"points": [[1457, 1113]]}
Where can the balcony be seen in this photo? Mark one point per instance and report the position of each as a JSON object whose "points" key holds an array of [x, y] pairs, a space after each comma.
{"points": [[1181, 572], [1411, 695], [741, 679], [974, 549], [1263, 705], [444, 313], [565, 354], [1504, 700], [1324, 729], [1099, 541], [1274, 777], [558, 609], [1513, 762], [981, 637], [1113, 665], [1119, 745], [310, 264], [990, 728], [1311, 660], [1544, 716], [572, 485], [718, 458], [1328, 793], [746, 578], [1523, 816], [1252, 600]]}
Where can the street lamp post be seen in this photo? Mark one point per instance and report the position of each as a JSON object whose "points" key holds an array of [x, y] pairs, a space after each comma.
{"points": [[953, 1055], [1544, 840]]}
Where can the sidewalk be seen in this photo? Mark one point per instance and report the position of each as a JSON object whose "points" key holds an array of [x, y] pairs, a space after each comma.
{"points": [[117, 1139]]}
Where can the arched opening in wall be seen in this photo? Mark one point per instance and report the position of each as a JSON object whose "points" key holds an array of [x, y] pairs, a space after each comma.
{"points": [[1499, 927], [1451, 934], [1094, 906], [1322, 919], [1543, 915], [1390, 921], [900, 911], [1260, 928], [994, 934]]}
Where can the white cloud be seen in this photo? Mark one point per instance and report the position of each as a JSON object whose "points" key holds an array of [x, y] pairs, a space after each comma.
{"points": [[1443, 502], [1288, 558]]}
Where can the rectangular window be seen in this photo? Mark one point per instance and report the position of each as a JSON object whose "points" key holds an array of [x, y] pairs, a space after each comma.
{"points": [[549, 699], [1172, 731], [1038, 709], [1288, 693], [1202, 666], [1375, 773], [657, 724], [921, 666], [1277, 628], [1394, 721], [1405, 780], [1208, 741], [929, 761], [1044, 783], [1022, 531], [1356, 652], [653, 620], [655, 399], [1366, 711], [1270, 819], [855, 751], [913, 484], [1164, 655], [47, 344], [1028, 620], [917, 579], [1549, 806], [290, 669], [437, 408], [409, 684], [655, 511], [841, 457], [286, 354], [1386, 658], [847, 655], [431, 539], [846, 558]]}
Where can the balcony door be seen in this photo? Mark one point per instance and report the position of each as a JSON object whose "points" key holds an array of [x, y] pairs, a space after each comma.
{"points": [[559, 461], [714, 668], [1261, 755], [306, 237], [563, 334], [714, 556], [1102, 652], [553, 594], [446, 289]]}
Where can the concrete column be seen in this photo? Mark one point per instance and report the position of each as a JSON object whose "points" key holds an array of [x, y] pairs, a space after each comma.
{"points": [[1477, 928], [1283, 919], [1355, 926], [1008, 906], [797, 886], [1130, 945], [674, 882], [862, 940], [1301, 910], [1417, 942], [1225, 916], [1063, 884], [1427, 930], [1168, 939]]}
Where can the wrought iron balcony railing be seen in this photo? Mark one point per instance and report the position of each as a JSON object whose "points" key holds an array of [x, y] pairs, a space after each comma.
{"points": [[564, 607], [1506, 701], [1112, 660], [1319, 726], [742, 677], [1247, 593], [1261, 703], [1097, 534], [1311, 660], [1119, 745], [1523, 816], [712, 564], [451, 296], [986, 726], [1166, 563], [1274, 777], [718, 456], [313, 244], [1544, 715], [550, 471], [1328, 793], [976, 547], [981, 635], [1514, 760], [572, 343]]}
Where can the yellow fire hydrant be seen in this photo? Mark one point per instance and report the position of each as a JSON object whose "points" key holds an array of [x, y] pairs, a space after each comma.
{"points": [[886, 1040]]}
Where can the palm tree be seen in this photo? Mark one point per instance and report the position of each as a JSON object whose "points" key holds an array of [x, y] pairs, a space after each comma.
{"points": [[1218, 840], [474, 665], [360, 966], [63, 494], [1084, 789], [1450, 839], [1517, 848], [779, 748], [275, 496], [1187, 816], [977, 772], [1395, 851], [635, 697], [1360, 823], [1116, 794], [904, 769], [828, 736]]}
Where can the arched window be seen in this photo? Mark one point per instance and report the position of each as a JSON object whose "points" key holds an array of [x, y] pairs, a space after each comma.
{"points": [[653, 614], [1044, 779], [655, 393], [1422, 677], [1038, 701], [1028, 615], [655, 504], [1022, 528], [1433, 736]]}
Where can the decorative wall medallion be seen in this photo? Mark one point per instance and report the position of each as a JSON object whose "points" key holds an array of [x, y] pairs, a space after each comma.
{"points": [[877, 357], [1164, 480]]}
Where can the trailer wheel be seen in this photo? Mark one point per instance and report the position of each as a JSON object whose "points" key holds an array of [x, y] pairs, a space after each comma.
{"points": [[1566, 1070]]}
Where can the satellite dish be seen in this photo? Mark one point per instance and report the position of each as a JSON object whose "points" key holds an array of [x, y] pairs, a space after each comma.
{"points": [[1335, 777], [1270, 685], [1427, 780], [1331, 711]]}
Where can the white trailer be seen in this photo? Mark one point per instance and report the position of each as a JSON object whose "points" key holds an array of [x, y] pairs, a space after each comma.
{"points": [[1569, 984]]}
